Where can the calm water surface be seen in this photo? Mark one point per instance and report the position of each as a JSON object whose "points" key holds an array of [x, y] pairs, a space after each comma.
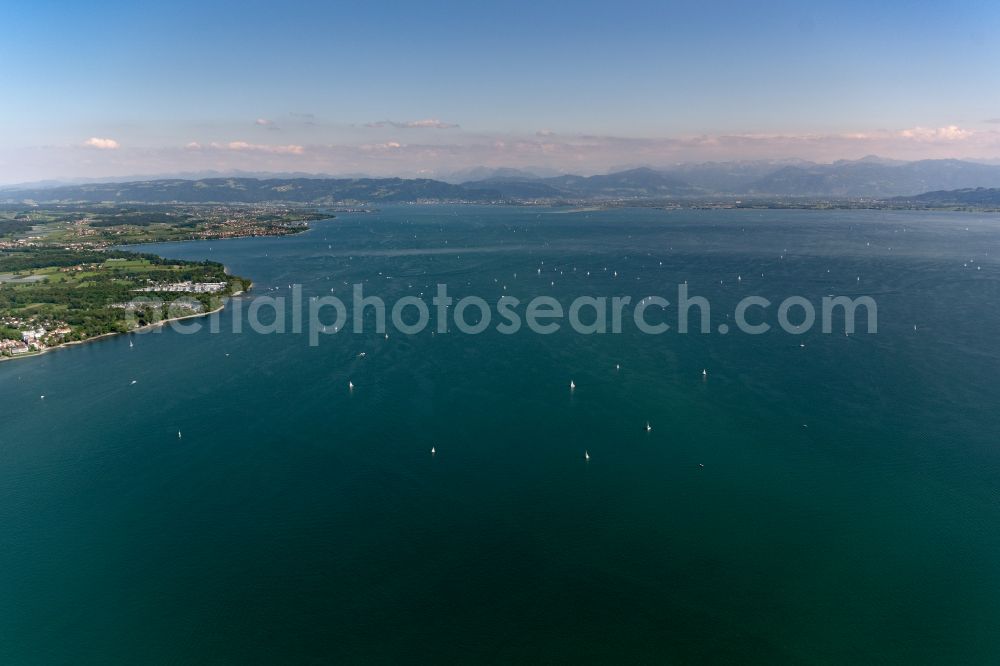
{"points": [[826, 504]]}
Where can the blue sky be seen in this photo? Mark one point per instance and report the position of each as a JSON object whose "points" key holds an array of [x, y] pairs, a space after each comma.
{"points": [[111, 88]]}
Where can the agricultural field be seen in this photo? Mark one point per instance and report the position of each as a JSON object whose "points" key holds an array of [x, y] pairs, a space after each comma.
{"points": [[62, 280]]}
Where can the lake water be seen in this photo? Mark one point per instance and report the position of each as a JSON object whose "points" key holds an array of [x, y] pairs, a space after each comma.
{"points": [[837, 502]]}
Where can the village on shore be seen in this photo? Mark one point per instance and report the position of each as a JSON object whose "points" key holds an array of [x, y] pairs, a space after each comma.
{"points": [[62, 280]]}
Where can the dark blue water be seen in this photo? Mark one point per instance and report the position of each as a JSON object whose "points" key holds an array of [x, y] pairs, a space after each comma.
{"points": [[837, 502]]}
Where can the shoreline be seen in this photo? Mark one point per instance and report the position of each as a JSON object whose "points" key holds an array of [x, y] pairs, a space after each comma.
{"points": [[130, 247], [140, 330], [159, 324]]}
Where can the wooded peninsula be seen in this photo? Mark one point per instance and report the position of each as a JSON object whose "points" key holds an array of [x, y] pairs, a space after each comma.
{"points": [[63, 280]]}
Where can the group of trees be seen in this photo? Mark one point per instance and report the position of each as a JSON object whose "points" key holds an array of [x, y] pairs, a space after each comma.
{"points": [[139, 218], [14, 227], [85, 304]]}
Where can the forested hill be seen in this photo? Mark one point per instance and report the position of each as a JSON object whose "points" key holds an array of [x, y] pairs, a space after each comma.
{"points": [[252, 190], [976, 197]]}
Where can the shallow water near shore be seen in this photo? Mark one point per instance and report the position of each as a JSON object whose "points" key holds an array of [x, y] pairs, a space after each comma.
{"points": [[835, 502]]}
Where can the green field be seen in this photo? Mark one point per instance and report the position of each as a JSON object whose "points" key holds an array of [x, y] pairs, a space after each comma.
{"points": [[93, 295], [59, 271], [112, 224]]}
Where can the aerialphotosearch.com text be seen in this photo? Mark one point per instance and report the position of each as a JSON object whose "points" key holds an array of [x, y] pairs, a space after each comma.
{"points": [[319, 316]]}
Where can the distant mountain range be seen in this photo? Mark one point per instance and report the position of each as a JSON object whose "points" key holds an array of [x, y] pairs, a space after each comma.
{"points": [[489, 173], [180, 175], [253, 190], [979, 197], [870, 178], [635, 183]]}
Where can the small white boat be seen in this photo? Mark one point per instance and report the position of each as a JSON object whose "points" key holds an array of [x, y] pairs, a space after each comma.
{"points": [[433, 451], [586, 455], [704, 373], [572, 385], [649, 428], [178, 434], [350, 385]]}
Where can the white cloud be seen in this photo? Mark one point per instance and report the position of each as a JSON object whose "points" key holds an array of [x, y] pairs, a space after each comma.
{"points": [[386, 153], [427, 123], [290, 149], [388, 145], [265, 123], [101, 143], [949, 133]]}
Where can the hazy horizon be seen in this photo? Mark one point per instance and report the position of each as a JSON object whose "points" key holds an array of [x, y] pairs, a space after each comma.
{"points": [[112, 89], [467, 174]]}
